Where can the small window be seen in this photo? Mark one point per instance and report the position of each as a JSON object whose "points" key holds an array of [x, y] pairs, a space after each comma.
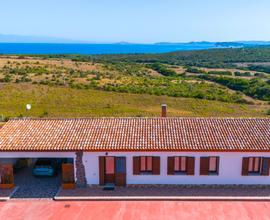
{"points": [[109, 165], [180, 164], [209, 166], [213, 164], [146, 163], [254, 165]]}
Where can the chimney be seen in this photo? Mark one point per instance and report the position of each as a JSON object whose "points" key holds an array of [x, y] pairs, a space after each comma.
{"points": [[163, 110]]}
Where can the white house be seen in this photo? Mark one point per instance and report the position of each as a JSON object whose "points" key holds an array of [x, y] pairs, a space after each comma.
{"points": [[165, 150]]}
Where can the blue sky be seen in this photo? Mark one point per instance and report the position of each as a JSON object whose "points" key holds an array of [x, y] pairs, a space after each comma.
{"points": [[142, 21]]}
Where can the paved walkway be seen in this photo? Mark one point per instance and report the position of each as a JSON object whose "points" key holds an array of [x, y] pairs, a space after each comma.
{"points": [[170, 191], [130, 210], [35, 187]]}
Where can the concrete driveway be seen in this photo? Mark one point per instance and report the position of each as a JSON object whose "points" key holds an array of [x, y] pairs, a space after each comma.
{"points": [[50, 210], [35, 187]]}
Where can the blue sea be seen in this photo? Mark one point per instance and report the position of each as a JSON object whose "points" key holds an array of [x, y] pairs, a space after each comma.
{"points": [[58, 48]]}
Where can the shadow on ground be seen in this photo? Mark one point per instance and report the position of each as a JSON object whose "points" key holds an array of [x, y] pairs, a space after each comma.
{"points": [[30, 186]]}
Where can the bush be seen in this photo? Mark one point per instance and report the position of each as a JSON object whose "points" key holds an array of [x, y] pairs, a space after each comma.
{"points": [[194, 70], [242, 74], [260, 68], [256, 88], [226, 73], [261, 75], [45, 114], [6, 79], [162, 69]]}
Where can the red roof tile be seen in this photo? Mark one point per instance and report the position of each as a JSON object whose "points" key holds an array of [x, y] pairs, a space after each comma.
{"points": [[142, 134]]}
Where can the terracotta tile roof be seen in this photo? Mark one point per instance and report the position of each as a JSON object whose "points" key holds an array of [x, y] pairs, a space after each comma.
{"points": [[129, 134]]}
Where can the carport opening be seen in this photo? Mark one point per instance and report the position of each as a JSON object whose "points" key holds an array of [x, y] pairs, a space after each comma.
{"points": [[37, 177]]}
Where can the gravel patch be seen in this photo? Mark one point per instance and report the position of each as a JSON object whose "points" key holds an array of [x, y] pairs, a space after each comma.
{"points": [[35, 187]]}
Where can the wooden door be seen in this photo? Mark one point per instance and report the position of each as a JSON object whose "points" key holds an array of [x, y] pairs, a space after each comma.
{"points": [[109, 170], [120, 171]]}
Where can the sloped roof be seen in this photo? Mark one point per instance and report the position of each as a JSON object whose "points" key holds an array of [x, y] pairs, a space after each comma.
{"points": [[132, 134]]}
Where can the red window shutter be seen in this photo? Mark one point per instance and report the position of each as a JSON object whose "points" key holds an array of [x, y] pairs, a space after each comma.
{"points": [[217, 165], [101, 170], [156, 165], [190, 165], [265, 166], [245, 166], [170, 166], [136, 165], [149, 163], [204, 166]]}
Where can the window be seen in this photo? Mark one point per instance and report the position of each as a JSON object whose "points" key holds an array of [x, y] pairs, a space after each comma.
{"points": [[213, 164], [180, 164], [254, 165], [109, 165], [209, 166], [146, 164]]}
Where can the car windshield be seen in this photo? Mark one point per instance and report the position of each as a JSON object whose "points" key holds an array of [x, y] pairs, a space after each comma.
{"points": [[43, 162]]}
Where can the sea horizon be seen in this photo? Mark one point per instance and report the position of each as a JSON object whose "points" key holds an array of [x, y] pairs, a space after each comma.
{"points": [[101, 48]]}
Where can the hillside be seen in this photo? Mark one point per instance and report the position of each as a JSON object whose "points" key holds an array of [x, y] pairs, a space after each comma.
{"points": [[206, 58], [48, 101], [134, 88]]}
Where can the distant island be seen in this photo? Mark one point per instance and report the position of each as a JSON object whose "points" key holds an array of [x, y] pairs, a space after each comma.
{"points": [[16, 44]]}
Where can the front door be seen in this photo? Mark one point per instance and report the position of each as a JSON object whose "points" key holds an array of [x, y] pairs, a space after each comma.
{"points": [[120, 171], [109, 170], [112, 170]]}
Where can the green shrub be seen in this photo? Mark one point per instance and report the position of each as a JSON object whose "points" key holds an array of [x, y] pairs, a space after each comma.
{"points": [[163, 70], [256, 88], [6, 79], [226, 73], [194, 70], [242, 74]]}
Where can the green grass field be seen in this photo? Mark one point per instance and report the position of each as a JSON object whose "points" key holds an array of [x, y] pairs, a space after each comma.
{"points": [[49, 101]]}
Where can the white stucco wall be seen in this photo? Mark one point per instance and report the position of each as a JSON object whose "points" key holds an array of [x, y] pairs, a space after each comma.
{"points": [[230, 169]]}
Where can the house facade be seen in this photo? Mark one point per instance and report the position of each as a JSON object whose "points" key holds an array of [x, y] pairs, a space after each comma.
{"points": [[166, 150]]}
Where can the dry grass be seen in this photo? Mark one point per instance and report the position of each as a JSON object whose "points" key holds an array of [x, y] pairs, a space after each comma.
{"points": [[31, 61], [66, 102]]}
